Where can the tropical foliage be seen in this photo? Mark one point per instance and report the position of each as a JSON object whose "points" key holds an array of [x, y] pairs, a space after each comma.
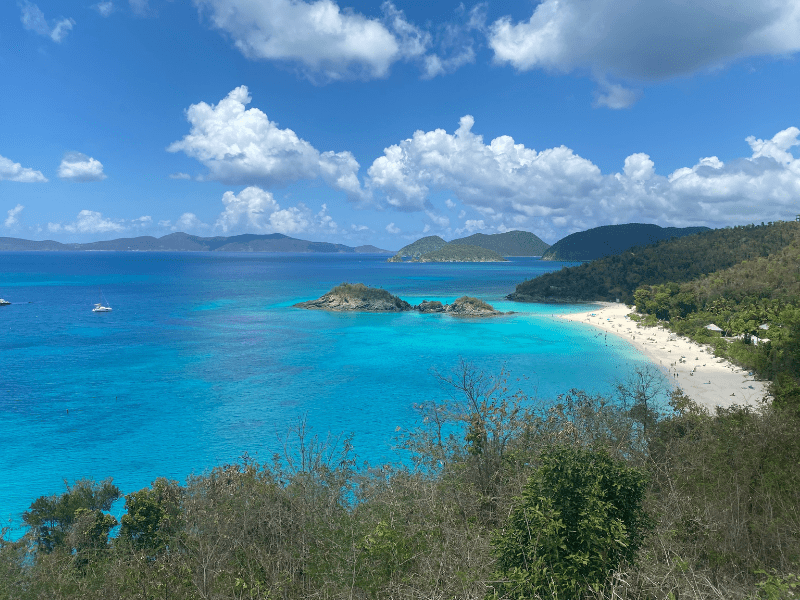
{"points": [[500, 495]]}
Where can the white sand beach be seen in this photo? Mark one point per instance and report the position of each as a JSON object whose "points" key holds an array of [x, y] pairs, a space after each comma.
{"points": [[706, 379]]}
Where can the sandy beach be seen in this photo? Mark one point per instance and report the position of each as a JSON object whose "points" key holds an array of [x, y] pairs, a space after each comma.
{"points": [[706, 379]]}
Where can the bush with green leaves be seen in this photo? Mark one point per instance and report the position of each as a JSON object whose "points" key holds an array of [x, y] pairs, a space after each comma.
{"points": [[578, 518], [51, 518]]}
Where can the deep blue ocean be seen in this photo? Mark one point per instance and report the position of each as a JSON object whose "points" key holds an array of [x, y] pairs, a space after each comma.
{"points": [[203, 358]]}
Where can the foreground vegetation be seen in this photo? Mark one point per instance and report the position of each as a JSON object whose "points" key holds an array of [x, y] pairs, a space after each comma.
{"points": [[502, 497]]}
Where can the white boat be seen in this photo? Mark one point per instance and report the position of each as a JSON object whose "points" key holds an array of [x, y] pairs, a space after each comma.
{"points": [[4, 302], [100, 307]]}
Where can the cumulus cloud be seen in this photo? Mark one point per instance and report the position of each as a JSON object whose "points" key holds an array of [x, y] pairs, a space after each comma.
{"points": [[104, 8], [33, 19], [472, 226], [327, 42], [12, 220], [12, 171], [189, 222], [556, 191], [637, 40], [242, 146], [179, 176], [256, 210], [498, 175], [79, 167], [88, 221], [391, 228]]}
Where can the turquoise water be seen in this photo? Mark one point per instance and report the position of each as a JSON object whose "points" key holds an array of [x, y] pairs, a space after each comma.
{"points": [[203, 358]]}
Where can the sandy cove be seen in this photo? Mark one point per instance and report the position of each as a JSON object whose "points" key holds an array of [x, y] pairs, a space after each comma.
{"points": [[706, 379]]}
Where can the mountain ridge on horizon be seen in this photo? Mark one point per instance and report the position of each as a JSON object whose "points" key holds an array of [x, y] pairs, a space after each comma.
{"points": [[184, 242]]}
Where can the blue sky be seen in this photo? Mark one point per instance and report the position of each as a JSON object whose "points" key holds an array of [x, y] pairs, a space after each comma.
{"points": [[378, 123]]}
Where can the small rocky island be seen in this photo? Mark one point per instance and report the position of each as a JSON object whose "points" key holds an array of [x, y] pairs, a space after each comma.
{"points": [[359, 297]]}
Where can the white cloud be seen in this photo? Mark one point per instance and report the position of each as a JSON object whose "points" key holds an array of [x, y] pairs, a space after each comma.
{"points": [[355, 227], [499, 175], [252, 208], [188, 222], [326, 221], [240, 146], [290, 220], [256, 210], [33, 19], [79, 167], [12, 220], [143, 221], [639, 167], [104, 8], [179, 176], [12, 171], [615, 96], [391, 228], [439, 220], [638, 40], [88, 221], [327, 42], [472, 226], [449, 203], [555, 191], [455, 42]]}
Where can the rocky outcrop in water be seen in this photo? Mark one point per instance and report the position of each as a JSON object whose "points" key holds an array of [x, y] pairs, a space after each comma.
{"points": [[361, 298], [357, 297], [471, 307]]}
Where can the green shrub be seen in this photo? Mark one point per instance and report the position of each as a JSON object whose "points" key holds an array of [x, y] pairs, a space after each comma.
{"points": [[578, 518]]}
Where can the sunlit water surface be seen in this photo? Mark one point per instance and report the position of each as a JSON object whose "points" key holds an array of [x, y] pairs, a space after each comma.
{"points": [[203, 358]]}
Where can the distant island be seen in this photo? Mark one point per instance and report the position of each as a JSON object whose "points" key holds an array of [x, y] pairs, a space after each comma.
{"points": [[611, 240], [460, 253], [479, 247], [362, 298], [183, 242]]}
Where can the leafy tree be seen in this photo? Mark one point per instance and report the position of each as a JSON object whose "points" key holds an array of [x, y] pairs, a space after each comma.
{"points": [[52, 517], [578, 518], [152, 516]]}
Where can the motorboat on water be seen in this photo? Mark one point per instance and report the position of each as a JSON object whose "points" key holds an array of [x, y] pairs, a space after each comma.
{"points": [[4, 302], [101, 306]]}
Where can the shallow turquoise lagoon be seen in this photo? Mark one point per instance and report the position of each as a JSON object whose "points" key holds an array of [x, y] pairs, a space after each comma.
{"points": [[203, 358]]}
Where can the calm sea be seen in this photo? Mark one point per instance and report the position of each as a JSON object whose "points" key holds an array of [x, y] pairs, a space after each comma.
{"points": [[203, 358]]}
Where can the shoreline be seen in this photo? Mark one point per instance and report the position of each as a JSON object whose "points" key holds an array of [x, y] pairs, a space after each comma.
{"points": [[706, 379]]}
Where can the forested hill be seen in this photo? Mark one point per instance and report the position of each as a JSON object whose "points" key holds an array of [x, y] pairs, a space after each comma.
{"points": [[676, 260], [510, 243], [609, 240], [418, 248], [183, 242]]}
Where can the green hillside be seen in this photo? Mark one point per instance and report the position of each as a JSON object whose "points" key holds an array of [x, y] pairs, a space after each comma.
{"points": [[418, 248], [460, 253], [676, 260], [609, 240], [755, 300], [510, 243]]}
